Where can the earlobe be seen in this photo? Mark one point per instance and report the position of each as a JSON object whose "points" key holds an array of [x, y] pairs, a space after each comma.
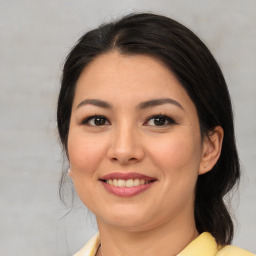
{"points": [[211, 149], [69, 173]]}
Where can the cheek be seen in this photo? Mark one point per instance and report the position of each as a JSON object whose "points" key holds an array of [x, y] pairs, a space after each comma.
{"points": [[84, 153], [178, 158], [177, 154]]}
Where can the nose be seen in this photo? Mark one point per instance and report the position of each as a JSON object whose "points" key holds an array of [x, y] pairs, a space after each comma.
{"points": [[125, 146]]}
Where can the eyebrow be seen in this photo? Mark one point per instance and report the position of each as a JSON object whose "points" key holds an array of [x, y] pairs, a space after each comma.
{"points": [[95, 102], [142, 105], [157, 102]]}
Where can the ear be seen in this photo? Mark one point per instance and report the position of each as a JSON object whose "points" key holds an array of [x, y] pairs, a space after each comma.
{"points": [[69, 173], [212, 145]]}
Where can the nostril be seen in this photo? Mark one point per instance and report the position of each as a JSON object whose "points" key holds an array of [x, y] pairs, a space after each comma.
{"points": [[125, 155], [124, 160]]}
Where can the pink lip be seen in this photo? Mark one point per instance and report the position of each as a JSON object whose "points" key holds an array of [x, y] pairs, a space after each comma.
{"points": [[126, 176], [125, 191]]}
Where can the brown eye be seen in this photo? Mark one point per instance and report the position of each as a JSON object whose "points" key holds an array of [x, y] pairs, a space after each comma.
{"points": [[160, 120], [96, 121]]}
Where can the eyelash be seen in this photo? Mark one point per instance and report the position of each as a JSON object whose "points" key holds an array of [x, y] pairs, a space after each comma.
{"points": [[168, 120], [90, 118]]}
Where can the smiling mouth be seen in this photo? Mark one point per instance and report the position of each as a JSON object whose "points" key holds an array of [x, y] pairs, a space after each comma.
{"points": [[127, 183]]}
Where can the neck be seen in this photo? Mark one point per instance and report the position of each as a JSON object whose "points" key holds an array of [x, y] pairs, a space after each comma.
{"points": [[165, 240]]}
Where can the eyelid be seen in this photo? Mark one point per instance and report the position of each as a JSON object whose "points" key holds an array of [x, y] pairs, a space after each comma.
{"points": [[86, 120], [170, 121], [168, 118]]}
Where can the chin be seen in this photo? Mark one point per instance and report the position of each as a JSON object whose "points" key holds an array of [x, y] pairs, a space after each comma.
{"points": [[128, 219]]}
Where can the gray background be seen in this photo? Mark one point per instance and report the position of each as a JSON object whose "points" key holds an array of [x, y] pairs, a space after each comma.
{"points": [[34, 40]]}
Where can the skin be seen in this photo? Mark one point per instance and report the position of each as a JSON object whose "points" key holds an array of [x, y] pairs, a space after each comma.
{"points": [[129, 141]]}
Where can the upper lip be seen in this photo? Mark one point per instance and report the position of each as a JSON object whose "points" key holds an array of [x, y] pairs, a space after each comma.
{"points": [[126, 176]]}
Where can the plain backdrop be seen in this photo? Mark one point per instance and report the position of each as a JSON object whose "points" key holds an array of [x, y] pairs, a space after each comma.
{"points": [[35, 37]]}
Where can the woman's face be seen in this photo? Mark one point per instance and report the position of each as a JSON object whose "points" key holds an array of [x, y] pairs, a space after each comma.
{"points": [[134, 143]]}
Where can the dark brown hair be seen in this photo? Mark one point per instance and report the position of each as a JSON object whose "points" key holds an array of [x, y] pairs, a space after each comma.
{"points": [[198, 72]]}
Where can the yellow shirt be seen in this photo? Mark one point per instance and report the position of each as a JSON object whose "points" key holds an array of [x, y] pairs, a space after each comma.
{"points": [[203, 245]]}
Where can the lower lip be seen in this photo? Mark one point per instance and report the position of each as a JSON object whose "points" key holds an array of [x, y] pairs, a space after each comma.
{"points": [[127, 192]]}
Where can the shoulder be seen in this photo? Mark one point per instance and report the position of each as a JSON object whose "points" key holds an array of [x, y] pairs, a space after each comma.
{"points": [[231, 250], [205, 244]]}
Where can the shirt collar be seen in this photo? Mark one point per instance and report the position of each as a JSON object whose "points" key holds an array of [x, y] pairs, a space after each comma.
{"points": [[91, 247], [204, 244]]}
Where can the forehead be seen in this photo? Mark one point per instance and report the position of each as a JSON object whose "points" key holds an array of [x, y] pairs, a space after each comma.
{"points": [[115, 76]]}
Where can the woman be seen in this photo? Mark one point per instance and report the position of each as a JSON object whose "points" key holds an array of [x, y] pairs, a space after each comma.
{"points": [[145, 118]]}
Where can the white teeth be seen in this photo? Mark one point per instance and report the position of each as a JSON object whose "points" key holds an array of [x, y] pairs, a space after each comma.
{"points": [[137, 182], [127, 183], [121, 183], [114, 183]]}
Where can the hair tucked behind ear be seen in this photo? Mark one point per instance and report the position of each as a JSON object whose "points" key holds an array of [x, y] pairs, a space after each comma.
{"points": [[194, 66]]}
